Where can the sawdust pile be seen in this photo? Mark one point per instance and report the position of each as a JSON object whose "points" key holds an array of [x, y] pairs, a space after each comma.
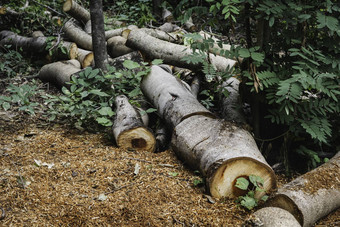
{"points": [[51, 175]]}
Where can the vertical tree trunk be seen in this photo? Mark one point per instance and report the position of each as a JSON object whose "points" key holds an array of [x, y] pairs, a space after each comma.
{"points": [[98, 33]]}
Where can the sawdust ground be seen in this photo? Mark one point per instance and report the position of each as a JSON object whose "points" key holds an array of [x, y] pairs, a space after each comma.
{"points": [[93, 183]]}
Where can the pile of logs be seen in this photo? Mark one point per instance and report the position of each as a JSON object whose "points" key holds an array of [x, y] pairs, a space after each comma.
{"points": [[220, 148]]}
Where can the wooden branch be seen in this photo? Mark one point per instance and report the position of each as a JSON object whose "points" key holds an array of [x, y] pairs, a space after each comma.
{"points": [[221, 150], [129, 130], [37, 34], [190, 25], [58, 73], [167, 15], [76, 11], [117, 32], [77, 35], [312, 195], [171, 53], [116, 46]]}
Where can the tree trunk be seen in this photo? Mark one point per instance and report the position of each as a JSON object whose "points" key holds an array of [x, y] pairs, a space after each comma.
{"points": [[116, 46], [98, 34], [222, 151], [312, 195], [76, 11], [129, 130], [58, 73], [78, 35], [171, 53]]}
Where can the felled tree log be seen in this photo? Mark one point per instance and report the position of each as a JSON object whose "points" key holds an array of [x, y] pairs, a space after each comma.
{"points": [[116, 46], [37, 34], [129, 130], [58, 73], [77, 35], [312, 195], [171, 53], [272, 217], [37, 45], [159, 34], [221, 150], [167, 15], [85, 57], [190, 25], [5, 33], [76, 11]]}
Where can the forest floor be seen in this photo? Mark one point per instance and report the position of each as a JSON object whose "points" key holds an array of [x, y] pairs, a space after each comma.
{"points": [[53, 175]]}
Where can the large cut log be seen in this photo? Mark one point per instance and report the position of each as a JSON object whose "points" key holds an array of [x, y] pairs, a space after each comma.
{"points": [[221, 150], [116, 46], [129, 130], [77, 35], [313, 195], [58, 73], [37, 45], [76, 11], [171, 53]]}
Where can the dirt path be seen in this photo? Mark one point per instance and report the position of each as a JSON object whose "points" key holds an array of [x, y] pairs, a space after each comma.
{"points": [[51, 175]]}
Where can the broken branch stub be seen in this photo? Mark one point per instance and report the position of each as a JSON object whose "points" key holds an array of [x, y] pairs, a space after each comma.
{"points": [[129, 130], [313, 195], [221, 150]]}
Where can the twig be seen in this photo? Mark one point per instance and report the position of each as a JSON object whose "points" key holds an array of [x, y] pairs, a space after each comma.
{"points": [[119, 188], [48, 8], [3, 213]]}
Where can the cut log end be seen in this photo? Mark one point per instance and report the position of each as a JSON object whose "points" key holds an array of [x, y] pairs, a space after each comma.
{"points": [[137, 139], [222, 183], [73, 51], [67, 5]]}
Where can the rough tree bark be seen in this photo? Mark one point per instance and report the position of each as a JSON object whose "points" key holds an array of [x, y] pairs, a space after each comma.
{"points": [[76, 11], [129, 130], [98, 34], [171, 53], [312, 195], [221, 150], [60, 72]]}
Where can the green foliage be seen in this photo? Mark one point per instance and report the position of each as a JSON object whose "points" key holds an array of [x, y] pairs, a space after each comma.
{"points": [[89, 98], [251, 186], [312, 157], [9, 66], [138, 12], [21, 98]]}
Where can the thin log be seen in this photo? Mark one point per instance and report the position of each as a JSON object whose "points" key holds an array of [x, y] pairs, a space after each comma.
{"points": [[85, 57], [5, 33], [37, 34], [129, 130], [272, 217], [166, 27], [88, 27], [313, 195], [8, 11], [117, 32], [77, 35], [116, 46], [190, 26], [59, 73], [76, 11], [221, 150], [171, 53], [159, 34], [195, 86], [167, 15]]}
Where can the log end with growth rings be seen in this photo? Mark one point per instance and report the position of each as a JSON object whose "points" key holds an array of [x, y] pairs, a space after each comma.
{"points": [[137, 139], [222, 183]]}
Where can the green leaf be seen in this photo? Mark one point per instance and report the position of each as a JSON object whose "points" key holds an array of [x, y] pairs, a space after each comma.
{"points": [[242, 183], [174, 174], [106, 111], [98, 92], [256, 180], [271, 21], [257, 56], [6, 106], [130, 64], [248, 202], [104, 121], [244, 53], [157, 62]]}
